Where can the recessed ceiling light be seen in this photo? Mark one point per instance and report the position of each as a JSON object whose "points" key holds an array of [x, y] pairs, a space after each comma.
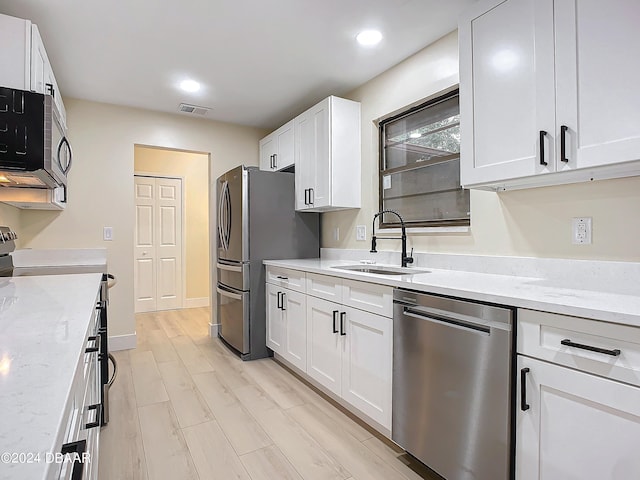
{"points": [[415, 135], [190, 86], [369, 37]]}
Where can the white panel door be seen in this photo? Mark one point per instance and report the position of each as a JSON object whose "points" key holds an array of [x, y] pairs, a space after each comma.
{"points": [[597, 80], [267, 150], [158, 244], [577, 426], [169, 242], [324, 343], [367, 363], [295, 320], [507, 95], [144, 272]]}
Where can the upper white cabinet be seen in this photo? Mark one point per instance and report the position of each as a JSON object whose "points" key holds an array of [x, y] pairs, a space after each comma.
{"points": [[327, 156], [547, 95], [276, 149], [24, 64]]}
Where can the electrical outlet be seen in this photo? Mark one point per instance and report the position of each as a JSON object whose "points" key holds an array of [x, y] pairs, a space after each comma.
{"points": [[107, 233], [361, 233], [581, 230]]}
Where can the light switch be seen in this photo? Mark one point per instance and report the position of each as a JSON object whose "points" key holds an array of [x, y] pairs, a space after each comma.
{"points": [[107, 234]]}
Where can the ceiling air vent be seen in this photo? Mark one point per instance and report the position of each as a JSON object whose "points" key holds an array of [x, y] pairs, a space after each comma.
{"points": [[193, 109]]}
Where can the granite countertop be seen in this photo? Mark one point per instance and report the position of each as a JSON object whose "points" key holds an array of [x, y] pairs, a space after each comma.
{"points": [[525, 292], [43, 323]]}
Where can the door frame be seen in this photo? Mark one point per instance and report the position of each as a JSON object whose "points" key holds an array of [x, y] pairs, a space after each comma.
{"points": [[183, 252]]}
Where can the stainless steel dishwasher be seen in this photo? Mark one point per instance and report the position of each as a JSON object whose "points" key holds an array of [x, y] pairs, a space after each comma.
{"points": [[452, 389]]}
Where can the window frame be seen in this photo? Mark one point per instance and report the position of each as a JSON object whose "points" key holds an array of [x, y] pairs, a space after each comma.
{"points": [[410, 109]]}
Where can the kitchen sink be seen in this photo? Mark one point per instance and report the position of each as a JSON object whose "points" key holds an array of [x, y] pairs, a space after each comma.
{"points": [[381, 269]]}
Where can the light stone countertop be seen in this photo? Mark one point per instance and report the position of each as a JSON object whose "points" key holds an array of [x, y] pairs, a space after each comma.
{"points": [[524, 292], [43, 323]]}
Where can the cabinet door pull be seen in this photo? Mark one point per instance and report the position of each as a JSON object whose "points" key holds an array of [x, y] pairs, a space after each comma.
{"points": [[50, 89], [270, 161], [569, 343], [306, 202], [280, 277], [275, 160], [524, 406], [279, 301], [283, 297], [98, 408], [342, 318], [311, 196], [542, 135], [335, 319], [563, 144]]}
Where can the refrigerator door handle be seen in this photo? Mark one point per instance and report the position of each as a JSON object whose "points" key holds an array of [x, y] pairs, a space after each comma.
{"points": [[228, 215], [229, 268], [227, 293]]}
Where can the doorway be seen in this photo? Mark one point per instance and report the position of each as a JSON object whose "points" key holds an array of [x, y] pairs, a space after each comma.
{"points": [[172, 227]]}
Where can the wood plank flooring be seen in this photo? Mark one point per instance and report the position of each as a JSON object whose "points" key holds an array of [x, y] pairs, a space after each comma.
{"points": [[184, 407]]}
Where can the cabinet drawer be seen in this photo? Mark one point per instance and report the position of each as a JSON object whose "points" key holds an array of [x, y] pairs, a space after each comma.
{"points": [[324, 286], [369, 297], [541, 335], [285, 277]]}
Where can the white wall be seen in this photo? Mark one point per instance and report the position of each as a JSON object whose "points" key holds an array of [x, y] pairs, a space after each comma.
{"points": [[533, 222], [101, 183]]}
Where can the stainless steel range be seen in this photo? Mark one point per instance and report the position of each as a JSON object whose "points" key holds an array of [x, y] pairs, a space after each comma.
{"points": [[42, 262]]}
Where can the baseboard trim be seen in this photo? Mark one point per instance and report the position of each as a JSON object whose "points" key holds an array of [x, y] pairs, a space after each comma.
{"points": [[196, 302], [122, 342], [214, 328]]}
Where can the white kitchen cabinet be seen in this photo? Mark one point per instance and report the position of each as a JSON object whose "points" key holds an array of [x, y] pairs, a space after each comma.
{"points": [[275, 320], [324, 343], [578, 426], [327, 156], [350, 350], [277, 149], [287, 325], [367, 363], [547, 96], [24, 63], [578, 400]]}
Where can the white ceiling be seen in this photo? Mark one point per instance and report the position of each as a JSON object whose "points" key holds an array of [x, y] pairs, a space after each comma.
{"points": [[260, 62]]}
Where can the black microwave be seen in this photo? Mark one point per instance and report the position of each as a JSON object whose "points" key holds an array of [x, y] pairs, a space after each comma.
{"points": [[34, 149]]}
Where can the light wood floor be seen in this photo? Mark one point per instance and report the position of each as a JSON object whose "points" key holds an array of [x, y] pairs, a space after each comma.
{"points": [[183, 407]]}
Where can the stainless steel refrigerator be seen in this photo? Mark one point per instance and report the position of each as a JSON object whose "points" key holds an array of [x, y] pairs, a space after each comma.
{"points": [[256, 220]]}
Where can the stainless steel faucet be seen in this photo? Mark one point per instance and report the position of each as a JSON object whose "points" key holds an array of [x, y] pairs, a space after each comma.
{"points": [[404, 259]]}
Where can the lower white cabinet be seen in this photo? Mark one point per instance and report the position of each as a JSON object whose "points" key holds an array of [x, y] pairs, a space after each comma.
{"points": [[577, 425], [349, 351], [287, 325], [334, 334], [578, 400]]}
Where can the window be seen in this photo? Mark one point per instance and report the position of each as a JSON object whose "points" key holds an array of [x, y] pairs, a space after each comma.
{"points": [[420, 165]]}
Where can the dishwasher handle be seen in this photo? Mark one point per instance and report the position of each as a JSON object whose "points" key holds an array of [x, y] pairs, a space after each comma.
{"points": [[468, 325]]}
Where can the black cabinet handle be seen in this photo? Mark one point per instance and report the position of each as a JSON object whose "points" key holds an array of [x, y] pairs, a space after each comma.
{"points": [[563, 144], [335, 319], [275, 160], [542, 135], [342, 317], [569, 343], [270, 161], [524, 406], [311, 196], [77, 448], [98, 408], [306, 193], [283, 301], [282, 277], [50, 89], [279, 304], [91, 349]]}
